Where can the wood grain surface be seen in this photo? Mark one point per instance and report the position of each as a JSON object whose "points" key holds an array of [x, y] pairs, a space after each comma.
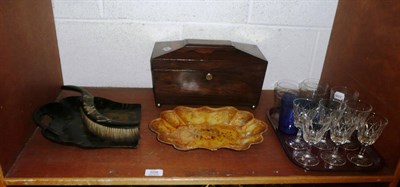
{"points": [[30, 70], [363, 54], [44, 162]]}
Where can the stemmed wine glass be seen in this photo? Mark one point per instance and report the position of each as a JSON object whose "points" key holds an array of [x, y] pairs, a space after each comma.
{"points": [[368, 133], [315, 122], [358, 112], [340, 131], [315, 90], [344, 94], [299, 112]]}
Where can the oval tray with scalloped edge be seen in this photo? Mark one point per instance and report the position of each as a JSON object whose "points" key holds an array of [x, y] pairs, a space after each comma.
{"points": [[209, 128]]}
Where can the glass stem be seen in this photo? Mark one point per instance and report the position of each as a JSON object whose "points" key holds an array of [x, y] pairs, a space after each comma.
{"points": [[362, 151], [335, 150], [323, 140], [298, 135], [309, 149]]}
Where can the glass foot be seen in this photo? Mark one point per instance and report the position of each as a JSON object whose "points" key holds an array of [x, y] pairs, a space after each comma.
{"points": [[295, 144], [306, 159], [333, 159], [359, 160], [351, 146], [324, 145]]}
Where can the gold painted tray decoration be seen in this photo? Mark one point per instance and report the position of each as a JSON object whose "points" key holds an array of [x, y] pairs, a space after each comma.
{"points": [[209, 128]]}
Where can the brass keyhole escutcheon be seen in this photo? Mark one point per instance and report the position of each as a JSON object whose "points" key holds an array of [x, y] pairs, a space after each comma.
{"points": [[209, 76]]}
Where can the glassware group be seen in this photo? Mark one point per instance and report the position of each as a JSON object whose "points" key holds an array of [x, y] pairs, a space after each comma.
{"points": [[339, 114]]}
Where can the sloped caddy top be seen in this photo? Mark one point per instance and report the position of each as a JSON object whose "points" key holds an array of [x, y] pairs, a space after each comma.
{"points": [[234, 55]]}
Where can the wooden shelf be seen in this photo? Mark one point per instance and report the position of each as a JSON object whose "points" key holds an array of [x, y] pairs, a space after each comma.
{"points": [[43, 162], [362, 52]]}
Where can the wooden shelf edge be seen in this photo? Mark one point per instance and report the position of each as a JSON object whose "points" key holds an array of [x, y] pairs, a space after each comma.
{"points": [[396, 176], [385, 176], [2, 182], [197, 180]]}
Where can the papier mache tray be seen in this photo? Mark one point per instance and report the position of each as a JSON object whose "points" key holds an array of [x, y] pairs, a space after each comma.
{"points": [[188, 128], [273, 117]]}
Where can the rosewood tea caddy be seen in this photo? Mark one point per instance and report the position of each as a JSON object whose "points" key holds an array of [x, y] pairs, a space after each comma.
{"points": [[207, 72]]}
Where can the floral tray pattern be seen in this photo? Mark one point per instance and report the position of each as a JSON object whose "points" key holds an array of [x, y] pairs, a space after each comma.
{"points": [[188, 128]]}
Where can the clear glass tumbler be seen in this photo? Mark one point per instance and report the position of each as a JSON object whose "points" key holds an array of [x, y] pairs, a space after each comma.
{"points": [[313, 89], [282, 87]]}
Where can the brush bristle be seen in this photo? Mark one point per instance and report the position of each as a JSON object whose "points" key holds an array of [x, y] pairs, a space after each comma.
{"points": [[111, 133]]}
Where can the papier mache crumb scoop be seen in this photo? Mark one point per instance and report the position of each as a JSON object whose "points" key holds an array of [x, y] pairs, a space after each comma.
{"points": [[117, 122]]}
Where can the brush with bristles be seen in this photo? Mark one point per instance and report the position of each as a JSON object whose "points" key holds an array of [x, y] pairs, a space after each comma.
{"points": [[102, 126]]}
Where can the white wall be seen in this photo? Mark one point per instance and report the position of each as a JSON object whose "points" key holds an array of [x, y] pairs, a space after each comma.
{"points": [[108, 43]]}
